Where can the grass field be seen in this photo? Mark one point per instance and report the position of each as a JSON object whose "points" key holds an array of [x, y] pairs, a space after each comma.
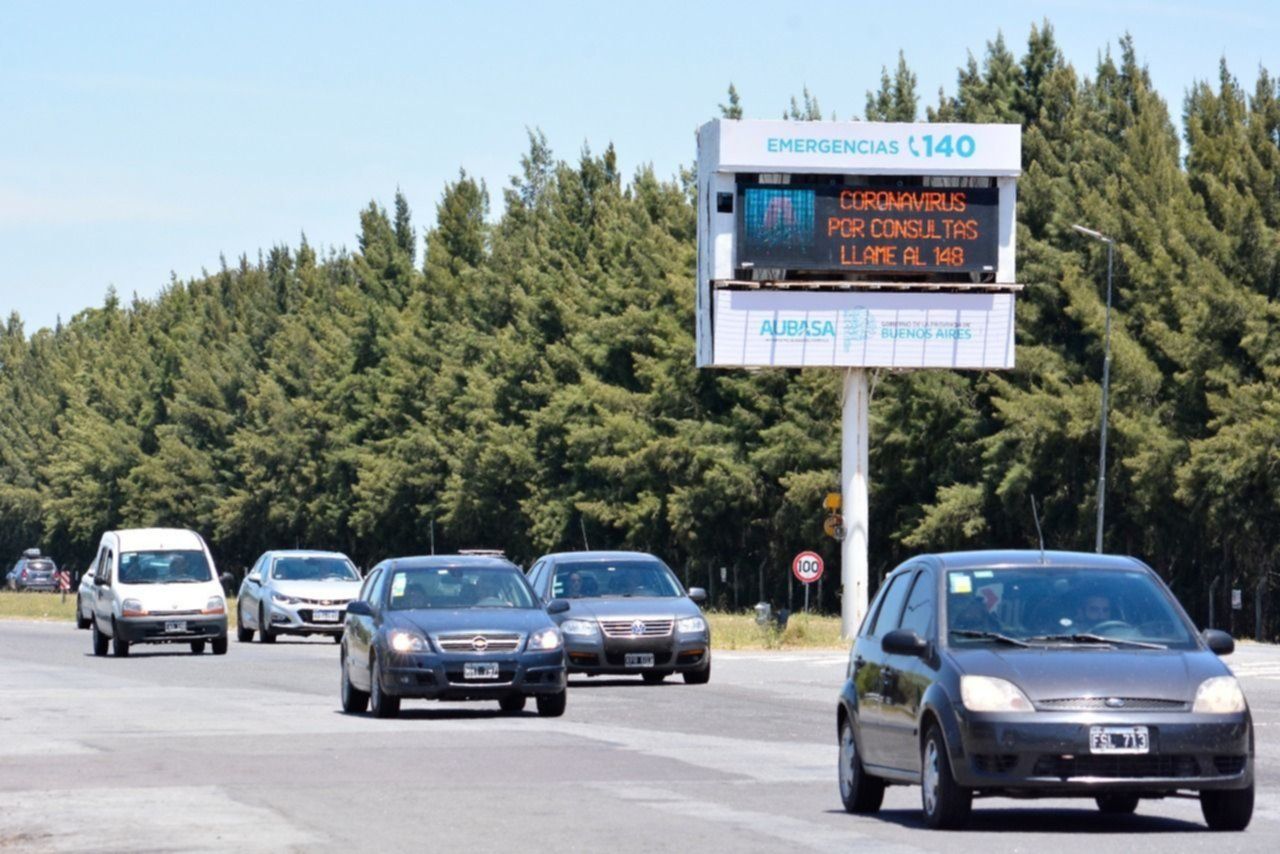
{"points": [[37, 606]]}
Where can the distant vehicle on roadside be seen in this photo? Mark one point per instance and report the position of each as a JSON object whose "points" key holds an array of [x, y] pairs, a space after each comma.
{"points": [[86, 595], [450, 627], [157, 585], [628, 614], [1040, 674], [33, 571], [296, 592]]}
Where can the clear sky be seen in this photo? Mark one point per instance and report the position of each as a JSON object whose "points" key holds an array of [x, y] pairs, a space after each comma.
{"points": [[142, 138]]}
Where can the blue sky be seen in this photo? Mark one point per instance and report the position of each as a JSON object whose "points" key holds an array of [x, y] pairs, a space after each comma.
{"points": [[142, 138]]}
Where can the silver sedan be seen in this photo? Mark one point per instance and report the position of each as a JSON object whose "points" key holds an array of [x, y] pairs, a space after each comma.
{"points": [[298, 593]]}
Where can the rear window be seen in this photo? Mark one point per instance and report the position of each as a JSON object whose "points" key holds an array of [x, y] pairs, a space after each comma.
{"points": [[42, 565]]}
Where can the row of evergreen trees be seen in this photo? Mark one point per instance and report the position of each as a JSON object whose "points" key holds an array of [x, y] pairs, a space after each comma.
{"points": [[529, 384]]}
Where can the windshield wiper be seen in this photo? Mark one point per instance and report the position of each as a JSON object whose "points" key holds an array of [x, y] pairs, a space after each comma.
{"points": [[995, 636], [1088, 637]]}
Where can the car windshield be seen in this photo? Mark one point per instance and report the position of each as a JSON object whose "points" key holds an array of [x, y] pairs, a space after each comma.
{"points": [[460, 587], [164, 567], [582, 580], [1060, 605], [326, 568]]}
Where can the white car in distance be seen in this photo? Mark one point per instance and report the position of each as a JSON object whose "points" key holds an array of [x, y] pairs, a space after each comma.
{"points": [[296, 592]]}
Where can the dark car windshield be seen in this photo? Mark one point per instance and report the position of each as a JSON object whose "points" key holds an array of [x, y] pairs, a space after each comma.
{"points": [[460, 587], [1062, 605], [317, 568], [583, 580], [164, 567]]}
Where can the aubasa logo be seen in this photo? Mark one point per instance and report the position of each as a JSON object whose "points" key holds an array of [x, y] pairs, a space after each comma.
{"points": [[798, 329]]}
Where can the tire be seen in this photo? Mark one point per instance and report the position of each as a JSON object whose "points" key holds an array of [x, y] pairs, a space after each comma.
{"points": [[219, 645], [1227, 809], [1117, 804], [197, 647], [946, 805], [701, 676], [354, 701], [119, 646], [653, 678], [264, 628], [81, 622], [337, 638], [242, 634], [512, 704], [552, 705], [100, 641], [382, 705], [860, 792]]}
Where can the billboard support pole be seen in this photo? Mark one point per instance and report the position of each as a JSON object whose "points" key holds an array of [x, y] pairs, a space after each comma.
{"points": [[855, 406]]}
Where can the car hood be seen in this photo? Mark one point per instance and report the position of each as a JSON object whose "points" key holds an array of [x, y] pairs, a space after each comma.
{"points": [[1061, 673], [170, 597], [318, 589], [432, 621], [630, 607]]}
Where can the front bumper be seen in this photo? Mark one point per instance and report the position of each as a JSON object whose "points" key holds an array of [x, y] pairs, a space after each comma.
{"points": [[433, 676], [154, 630], [300, 619], [608, 655], [1049, 753]]}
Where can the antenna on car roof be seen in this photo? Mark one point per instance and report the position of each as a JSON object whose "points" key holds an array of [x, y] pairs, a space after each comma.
{"points": [[1035, 514]]}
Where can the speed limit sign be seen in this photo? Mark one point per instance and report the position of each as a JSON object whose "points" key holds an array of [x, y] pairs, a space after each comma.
{"points": [[807, 567]]}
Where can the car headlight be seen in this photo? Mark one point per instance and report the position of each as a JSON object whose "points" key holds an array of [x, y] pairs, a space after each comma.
{"points": [[132, 608], [1220, 695], [545, 640], [402, 641], [215, 605], [285, 600], [692, 626], [580, 628], [989, 694]]}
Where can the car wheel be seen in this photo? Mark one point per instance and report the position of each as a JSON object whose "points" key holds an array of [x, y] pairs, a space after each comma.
{"points": [[701, 676], [383, 706], [512, 703], [653, 678], [1117, 804], [197, 647], [119, 646], [354, 700], [99, 639], [264, 628], [219, 645], [946, 805], [81, 622], [552, 705], [242, 634], [337, 638], [1227, 809], [860, 792]]}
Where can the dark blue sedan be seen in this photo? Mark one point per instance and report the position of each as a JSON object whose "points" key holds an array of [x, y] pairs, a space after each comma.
{"points": [[451, 627]]}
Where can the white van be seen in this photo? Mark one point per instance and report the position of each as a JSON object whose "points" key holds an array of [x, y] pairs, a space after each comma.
{"points": [[157, 585]]}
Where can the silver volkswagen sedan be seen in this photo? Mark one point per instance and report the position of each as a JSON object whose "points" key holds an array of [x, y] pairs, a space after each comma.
{"points": [[298, 593]]}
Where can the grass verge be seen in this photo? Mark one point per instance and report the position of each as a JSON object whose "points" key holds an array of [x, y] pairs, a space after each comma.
{"points": [[803, 631], [49, 606]]}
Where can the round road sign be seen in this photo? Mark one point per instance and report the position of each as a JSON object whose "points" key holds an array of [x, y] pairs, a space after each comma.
{"points": [[807, 567]]}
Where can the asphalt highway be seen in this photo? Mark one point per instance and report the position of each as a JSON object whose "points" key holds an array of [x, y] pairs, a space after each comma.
{"points": [[166, 751]]}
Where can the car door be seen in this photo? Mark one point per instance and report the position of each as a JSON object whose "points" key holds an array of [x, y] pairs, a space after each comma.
{"points": [[359, 630], [103, 611], [868, 667], [251, 595], [906, 677]]}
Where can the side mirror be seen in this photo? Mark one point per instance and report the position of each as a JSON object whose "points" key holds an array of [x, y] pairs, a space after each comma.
{"points": [[359, 608], [698, 595], [904, 642], [557, 606], [1219, 642], [104, 581], [254, 577]]}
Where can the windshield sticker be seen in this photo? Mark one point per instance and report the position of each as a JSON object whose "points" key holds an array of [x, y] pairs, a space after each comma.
{"points": [[397, 584], [961, 583]]}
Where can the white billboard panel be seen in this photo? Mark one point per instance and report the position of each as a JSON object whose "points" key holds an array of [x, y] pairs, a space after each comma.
{"points": [[898, 329]]}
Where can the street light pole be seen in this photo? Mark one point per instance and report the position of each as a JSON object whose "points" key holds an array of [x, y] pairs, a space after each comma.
{"points": [[1106, 387]]}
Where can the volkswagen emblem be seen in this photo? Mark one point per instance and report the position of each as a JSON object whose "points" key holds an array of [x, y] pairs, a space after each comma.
{"points": [[479, 644], [637, 628], [1115, 703]]}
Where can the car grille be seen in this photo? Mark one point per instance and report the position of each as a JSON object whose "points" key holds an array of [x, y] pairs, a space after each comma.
{"points": [[1099, 704], [649, 628], [1163, 765], [326, 603], [492, 642]]}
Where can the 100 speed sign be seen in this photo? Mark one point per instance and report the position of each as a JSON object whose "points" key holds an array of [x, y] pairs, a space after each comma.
{"points": [[807, 567]]}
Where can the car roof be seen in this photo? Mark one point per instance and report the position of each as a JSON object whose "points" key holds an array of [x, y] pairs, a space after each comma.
{"points": [[1030, 558], [303, 553], [156, 539], [446, 561], [601, 556]]}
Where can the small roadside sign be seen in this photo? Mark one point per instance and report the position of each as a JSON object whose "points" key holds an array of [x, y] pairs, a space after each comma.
{"points": [[832, 501], [807, 567]]}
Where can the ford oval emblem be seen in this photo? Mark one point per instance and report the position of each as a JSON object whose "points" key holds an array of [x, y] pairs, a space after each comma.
{"points": [[637, 628], [479, 644], [1115, 703]]}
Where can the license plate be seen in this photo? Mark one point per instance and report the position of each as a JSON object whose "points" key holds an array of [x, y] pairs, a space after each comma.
{"points": [[325, 616], [638, 659], [175, 625], [480, 670], [1118, 739]]}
